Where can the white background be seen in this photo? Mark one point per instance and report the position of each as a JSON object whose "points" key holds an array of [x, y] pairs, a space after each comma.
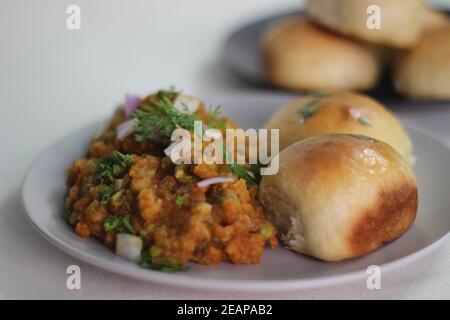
{"points": [[53, 81]]}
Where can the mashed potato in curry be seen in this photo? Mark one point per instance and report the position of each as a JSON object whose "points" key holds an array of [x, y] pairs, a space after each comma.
{"points": [[129, 186]]}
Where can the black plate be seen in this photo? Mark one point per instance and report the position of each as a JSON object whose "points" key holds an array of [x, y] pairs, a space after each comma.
{"points": [[242, 57]]}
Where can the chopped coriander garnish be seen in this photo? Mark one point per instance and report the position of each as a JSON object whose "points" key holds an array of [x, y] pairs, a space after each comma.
{"points": [[111, 223], [179, 200], [364, 121], [250, 175], [319, 95], [164, 265], [105, 194], [310, 108], [127, 224], [307, 112], [247, 174], [171, 92], [160, 118], [112, 166], [214, 111], [119, 223], [168, 269], [214, 121], [167, 265]]}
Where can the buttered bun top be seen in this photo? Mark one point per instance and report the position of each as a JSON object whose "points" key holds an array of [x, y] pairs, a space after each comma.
{"points": [[401, 20], [299, 55], [424, 71], [339, 196], [339, 112]]}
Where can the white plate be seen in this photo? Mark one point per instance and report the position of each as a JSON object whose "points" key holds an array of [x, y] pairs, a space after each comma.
{"points": [[44, 190]]}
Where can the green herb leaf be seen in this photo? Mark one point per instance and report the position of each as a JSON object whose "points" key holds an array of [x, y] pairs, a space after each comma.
{"points": [[127, 224], [169, 269], [364, 121], [105, 194], [167, 265], [307, 112], [311, 107], [214, 120], [120, 223], [170, 93], [215, 111], [111, 223], [179, 200], [250, 174], [319, 95], [160, 118], [112, 167], [164, 265]]}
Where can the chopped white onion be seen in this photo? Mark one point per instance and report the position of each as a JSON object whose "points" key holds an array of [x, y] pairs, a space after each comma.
{"points": [[131, 103], [185, 103], [129, 246], [355, 113], [169, 149], [124, 129], [207, 182]]}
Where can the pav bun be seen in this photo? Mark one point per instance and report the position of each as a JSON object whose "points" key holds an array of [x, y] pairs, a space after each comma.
{"points": [[424, 71], [339, 196], [401, 20], [339, 112], [299, 55], [434, 20]]}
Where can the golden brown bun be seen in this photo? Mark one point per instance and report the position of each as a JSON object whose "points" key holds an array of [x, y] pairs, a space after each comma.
{"points": [[424, 71], [301, 56], [339, 112], [339, 196], [401, 20], [434, 20]]}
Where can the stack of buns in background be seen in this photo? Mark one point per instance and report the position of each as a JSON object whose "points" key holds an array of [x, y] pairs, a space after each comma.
{"points": [[331, 47]]}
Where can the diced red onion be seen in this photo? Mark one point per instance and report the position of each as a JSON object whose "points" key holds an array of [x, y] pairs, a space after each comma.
{"points": [[215, 180], [185, 103], [124, 129], [131, 103]]}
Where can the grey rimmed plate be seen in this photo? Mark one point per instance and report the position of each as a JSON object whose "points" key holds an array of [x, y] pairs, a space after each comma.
{"points": [[44, 190]]}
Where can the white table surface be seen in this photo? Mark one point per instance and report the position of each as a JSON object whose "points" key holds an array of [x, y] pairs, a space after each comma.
{"points": [[53, 81]]}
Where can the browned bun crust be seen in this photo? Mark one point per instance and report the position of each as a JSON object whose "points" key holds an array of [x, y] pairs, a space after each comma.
{"points": [[340, 112], [301, 56], [339, 196], [401, 20]]}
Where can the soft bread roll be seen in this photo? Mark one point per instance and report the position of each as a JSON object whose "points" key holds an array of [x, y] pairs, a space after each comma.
{"points": [[424, 71], [401, 20], [339, 196], [298, 55], [339, 112], [434, 20]]}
